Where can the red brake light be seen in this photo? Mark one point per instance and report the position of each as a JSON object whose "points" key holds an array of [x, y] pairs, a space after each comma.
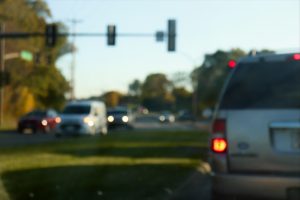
{"points": [[219, 126], [296, 56], [231, 64], [219, 145]]}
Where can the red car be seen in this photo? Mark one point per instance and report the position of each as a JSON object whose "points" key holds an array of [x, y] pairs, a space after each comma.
{"points": [[38, 121]]}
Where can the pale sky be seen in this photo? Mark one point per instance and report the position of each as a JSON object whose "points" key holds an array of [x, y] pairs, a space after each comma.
{"points": [[203, 26]]}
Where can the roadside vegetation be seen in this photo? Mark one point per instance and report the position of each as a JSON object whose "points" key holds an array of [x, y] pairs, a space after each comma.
{"points": [[123, 165]]}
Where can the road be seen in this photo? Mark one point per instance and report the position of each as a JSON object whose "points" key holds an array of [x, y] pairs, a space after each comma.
{"points": [[13, 138], [142, 123], [151, 122]]}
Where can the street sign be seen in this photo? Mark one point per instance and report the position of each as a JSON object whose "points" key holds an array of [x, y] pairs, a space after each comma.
{"points": [[160, 36], [26, 55]]}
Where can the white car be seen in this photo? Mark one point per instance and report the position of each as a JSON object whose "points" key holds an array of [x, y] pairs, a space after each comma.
{"points": [[83, 118]]}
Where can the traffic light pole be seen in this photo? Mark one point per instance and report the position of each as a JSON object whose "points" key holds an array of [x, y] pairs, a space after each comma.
{"points": [[2, 63]]}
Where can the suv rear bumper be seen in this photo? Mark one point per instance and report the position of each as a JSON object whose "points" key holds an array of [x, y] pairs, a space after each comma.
{"points": [[268, 186]]}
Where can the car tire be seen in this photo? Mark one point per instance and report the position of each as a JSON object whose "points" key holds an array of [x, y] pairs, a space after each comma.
{"points": [[20, 131], [34, 131], [47, 129]]}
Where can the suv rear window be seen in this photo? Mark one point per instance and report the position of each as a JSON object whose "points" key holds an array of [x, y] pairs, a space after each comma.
{"points": [[264, 85]]}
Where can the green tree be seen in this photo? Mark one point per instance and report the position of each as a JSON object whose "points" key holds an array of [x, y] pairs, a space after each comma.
{"points": [[156, 92], [112, 98], [211, 75], [32, 84], [183, 98], [135, 88]]}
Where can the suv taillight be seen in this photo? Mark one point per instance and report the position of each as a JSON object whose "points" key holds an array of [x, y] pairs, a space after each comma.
{"points": [[219, 145], [218, 141], [296, 56]]}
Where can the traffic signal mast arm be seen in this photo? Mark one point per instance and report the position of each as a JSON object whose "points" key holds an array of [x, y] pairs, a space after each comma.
{"points": [[51, 35]]}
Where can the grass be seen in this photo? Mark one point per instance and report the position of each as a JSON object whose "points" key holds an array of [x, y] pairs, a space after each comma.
{"points": [[148, 165], [9, 123]]}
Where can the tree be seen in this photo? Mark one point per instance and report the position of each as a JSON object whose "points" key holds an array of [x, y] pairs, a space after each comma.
{"points": [[156, 92], [112, 98], [135, 88], [183, 98], [33, 85], [211, 75], [180, 79]]}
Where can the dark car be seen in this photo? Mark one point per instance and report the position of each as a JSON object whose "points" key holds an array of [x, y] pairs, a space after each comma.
{"points": [[119, 117], [166, 117], [38, 121], [185, 116]]}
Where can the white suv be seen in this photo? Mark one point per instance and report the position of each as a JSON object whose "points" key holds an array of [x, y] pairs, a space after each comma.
{"points": [[255, 138], [82, 117]]}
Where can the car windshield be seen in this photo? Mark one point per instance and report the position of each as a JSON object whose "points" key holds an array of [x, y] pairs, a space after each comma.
{"points": [[36, 114], [77, 109], [117, 112], [266, 85]]}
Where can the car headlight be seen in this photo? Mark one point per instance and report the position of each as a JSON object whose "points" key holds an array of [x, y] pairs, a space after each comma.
{"points": [[125, 119], [57, 120], [172, 119], [88, 121], [44, 122], [162, 118], [110, 118]]}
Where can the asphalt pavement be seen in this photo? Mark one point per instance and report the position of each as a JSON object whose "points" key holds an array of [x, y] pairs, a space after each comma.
{"points": [[13, 138]]}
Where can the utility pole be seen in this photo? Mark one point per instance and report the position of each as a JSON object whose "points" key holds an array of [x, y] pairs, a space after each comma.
{"points": [[73, 22], [2, 63]]}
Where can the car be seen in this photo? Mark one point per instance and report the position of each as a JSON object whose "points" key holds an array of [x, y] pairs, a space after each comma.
{"points": [[38, 121], [255, 134], [166, 117], [119, 117], [83, 118], [185, 115]]}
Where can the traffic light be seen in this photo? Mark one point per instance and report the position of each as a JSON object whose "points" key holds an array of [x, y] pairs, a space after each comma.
{"points": [[171, 35], [51, 35], [111, 35]]}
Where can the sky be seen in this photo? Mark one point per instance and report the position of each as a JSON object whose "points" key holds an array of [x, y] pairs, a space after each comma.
{"points": [[203, 27]]}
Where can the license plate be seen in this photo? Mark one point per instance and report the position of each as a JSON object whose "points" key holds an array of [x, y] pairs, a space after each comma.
{"points": [[27, 130]]}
